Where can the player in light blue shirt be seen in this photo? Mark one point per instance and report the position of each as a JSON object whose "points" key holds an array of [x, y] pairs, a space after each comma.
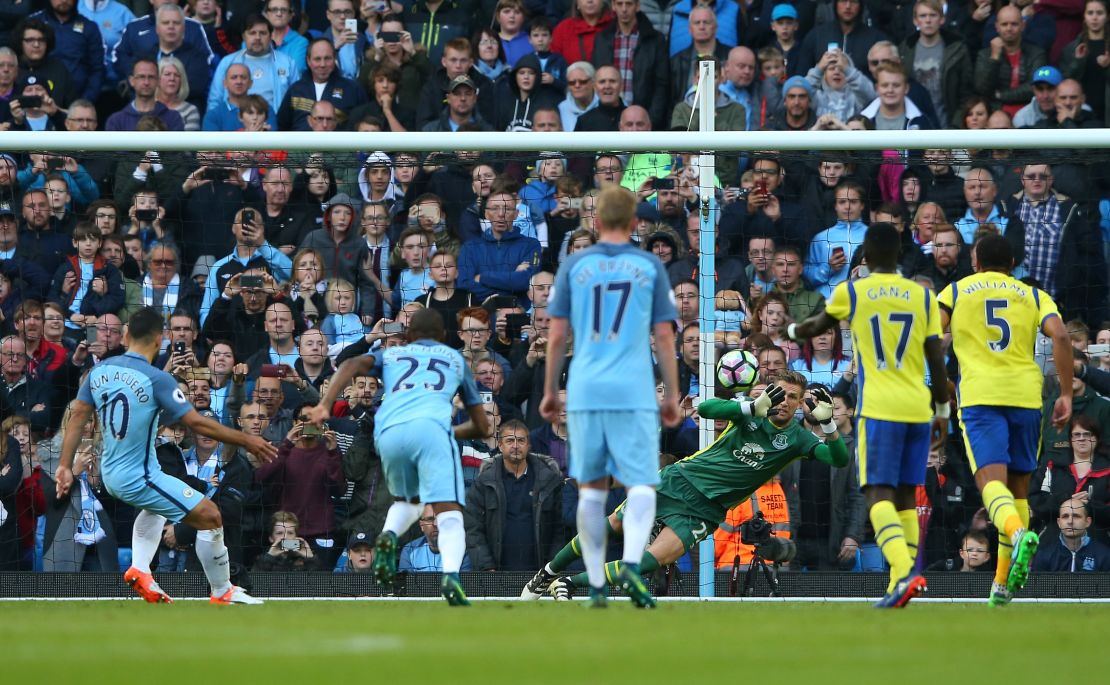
{"points": [[129, 398], [416, 442], [613, 296]]}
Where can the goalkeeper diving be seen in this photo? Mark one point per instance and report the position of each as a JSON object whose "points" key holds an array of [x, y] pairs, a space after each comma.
{"points": [[696, 493]]}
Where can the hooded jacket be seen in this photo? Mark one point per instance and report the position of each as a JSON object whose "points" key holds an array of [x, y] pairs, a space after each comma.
{"points": [[513, 113], [341, 260], [494, 261]]}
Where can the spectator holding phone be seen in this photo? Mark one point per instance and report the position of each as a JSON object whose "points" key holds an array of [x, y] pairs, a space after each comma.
{"points": [[251, 252], [307, 472], [831, 250], [288, 550]]}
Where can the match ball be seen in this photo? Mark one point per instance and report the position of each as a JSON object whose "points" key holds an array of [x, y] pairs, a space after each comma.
{"points": [[737, 371]]}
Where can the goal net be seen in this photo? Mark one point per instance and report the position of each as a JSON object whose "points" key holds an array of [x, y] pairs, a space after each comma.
{"points": [[274, 257]]}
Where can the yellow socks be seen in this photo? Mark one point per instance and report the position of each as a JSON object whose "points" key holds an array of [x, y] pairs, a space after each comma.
{"points": [[1008, 515], [891, 538]]}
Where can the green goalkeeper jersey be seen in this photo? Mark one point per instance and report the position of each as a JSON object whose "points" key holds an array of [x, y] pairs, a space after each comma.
{"points": [[749, 453]]}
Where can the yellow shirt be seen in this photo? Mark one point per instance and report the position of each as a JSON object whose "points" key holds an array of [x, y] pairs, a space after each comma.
{"points": [[994, 324], [891, 318]]}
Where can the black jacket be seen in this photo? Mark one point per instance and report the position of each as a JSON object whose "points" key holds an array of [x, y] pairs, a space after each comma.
{"points": [[485, 512], [228, 320], [649, 67]]}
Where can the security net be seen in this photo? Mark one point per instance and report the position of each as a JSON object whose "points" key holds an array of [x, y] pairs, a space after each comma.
{"points": [[272, 268]]}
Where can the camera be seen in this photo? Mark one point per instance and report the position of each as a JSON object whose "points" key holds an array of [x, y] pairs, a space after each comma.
{"points": [[146, 215], [179, 347], [756, 531]]}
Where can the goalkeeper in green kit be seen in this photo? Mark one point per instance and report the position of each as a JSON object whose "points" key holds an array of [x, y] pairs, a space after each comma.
{"points": [[695, 494]]}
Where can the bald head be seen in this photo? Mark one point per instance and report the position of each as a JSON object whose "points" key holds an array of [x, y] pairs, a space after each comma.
{"points": [[740, 67], [635, 118]]}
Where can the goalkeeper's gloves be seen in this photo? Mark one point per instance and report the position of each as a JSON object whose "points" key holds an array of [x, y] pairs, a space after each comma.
{"points": [[821, 409], [791, 332], [772, 395]]}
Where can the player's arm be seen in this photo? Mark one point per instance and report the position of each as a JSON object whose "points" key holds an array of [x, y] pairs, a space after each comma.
{"points": [[1062, 355], [732, 410], [476, 427], [352, 368], [668, 369], [79, 414], [254, 444], [553, 366], [818, 323], [832, 452]]}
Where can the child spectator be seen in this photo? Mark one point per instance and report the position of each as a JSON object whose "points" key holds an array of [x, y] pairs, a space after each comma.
{"points": [[552, 65], [784, 24], [839, 88], [415, 278], [772, 66], [445, 297], [86, 283], [509, 16], [342, 326], [539, 193]]}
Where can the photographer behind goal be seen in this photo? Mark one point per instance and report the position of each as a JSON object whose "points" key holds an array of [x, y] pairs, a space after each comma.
{"points": [[695, 494]]}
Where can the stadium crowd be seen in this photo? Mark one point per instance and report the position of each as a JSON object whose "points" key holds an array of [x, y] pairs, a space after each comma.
{"points": [[273, 268]]}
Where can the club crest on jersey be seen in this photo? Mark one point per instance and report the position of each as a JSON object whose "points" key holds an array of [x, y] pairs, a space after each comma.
{"points": [[188, 492], [780, 441]]}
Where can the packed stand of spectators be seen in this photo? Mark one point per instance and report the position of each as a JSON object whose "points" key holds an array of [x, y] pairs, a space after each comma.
{"points": [[272, 268]]}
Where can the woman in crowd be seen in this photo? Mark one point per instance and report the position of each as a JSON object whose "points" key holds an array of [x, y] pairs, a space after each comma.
{"points": [[1084, 477], [488, 54], [173, 91], [823, 360], [307, 286]]}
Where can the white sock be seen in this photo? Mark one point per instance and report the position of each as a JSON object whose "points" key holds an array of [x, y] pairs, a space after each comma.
{"points": [[146, 535], [592, 533], [401, 516], [639, 518], [452, 540], [213, 557]]}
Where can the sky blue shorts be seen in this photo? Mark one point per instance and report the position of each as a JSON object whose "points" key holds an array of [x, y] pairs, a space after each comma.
{"points": [[157, 493], [623, 444], [421, 460]]}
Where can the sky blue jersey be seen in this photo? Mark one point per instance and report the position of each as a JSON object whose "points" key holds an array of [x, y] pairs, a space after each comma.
{"points": [[613, 295], [421, 378], [128, 395]]}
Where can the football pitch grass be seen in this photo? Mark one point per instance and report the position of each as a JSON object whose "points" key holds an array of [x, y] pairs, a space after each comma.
{"points": [[491, 642]]}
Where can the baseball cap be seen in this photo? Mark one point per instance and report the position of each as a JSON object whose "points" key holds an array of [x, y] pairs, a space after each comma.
{"points": [[359, 538], [1049, 75], [784, 12], [6, 209], [463, 80]]}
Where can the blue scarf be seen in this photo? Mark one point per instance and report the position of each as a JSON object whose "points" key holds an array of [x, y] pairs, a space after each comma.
{"points": [[88, 530]]}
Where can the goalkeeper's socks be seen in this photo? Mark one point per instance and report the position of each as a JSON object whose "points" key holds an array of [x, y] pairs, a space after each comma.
{"points": [[890, 538]]}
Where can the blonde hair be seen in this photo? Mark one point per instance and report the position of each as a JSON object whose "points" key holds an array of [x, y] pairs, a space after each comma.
{"points": [[7, 427], [183, 91], [331, 295]]}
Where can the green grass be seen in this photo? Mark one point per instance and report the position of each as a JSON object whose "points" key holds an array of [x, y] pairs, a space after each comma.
{"points": [[512, 642]]}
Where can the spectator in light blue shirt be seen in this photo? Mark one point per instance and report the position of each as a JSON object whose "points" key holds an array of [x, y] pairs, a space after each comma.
{"points": [[830, 252], [422, 556], [272, 71]]}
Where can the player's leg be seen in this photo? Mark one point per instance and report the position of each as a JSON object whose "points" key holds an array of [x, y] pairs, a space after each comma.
{"points": [[159, 498], [880, 459], [632, 438], [986, 440], [397, 447], [571, 552], [1025, 442], [666, 548], [915, 459], [213, 556], [439, 470], [589, 466]]}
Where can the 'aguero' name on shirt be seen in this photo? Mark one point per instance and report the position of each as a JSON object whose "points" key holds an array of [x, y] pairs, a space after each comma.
{"points": [[136, 385]]}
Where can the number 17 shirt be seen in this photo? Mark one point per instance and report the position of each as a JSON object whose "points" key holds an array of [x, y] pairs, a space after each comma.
{"points": [[612, 295]]}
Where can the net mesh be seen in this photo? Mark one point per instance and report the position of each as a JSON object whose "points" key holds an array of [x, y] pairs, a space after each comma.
{"points": [[172, 220]]}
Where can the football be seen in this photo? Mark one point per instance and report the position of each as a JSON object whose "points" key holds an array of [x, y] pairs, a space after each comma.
{"points": [[737, 371]]}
